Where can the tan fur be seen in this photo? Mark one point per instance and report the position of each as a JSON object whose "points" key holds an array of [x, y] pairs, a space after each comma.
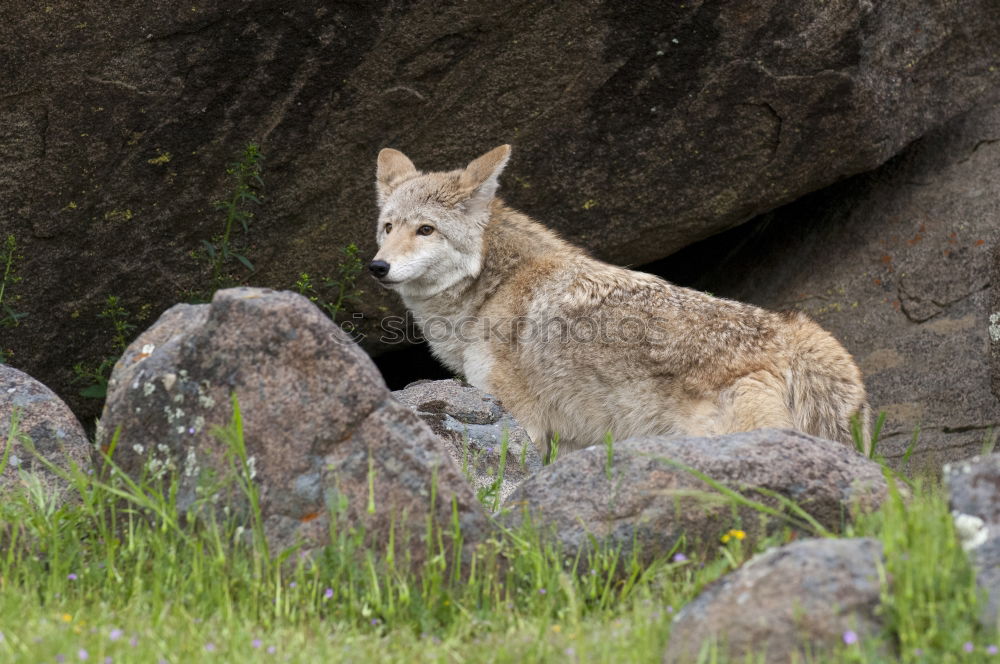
{"points": [[671, 361]]}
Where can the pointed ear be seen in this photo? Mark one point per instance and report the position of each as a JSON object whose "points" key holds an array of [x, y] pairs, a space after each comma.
{"points": [[393, 168], [480, 178]]}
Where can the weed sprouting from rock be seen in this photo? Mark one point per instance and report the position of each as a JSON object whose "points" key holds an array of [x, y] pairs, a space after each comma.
{"points": [[95, 376], [223, 251], [334, 293], [9, 317], [490, 494]]}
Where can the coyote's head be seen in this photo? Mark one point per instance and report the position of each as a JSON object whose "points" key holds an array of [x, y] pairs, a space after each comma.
{"points": [[430, 225]]}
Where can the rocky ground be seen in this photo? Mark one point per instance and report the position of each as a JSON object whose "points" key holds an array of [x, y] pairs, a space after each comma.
{"points": [[327, 447]]}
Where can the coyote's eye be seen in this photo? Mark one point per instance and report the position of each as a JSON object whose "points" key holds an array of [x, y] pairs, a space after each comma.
{"points": [[388, 228], [425, 230]]}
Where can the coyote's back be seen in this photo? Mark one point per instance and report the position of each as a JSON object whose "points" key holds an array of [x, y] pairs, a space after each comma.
{"points": [[578, 347]]}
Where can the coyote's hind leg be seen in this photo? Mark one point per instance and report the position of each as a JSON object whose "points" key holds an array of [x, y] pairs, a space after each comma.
{"points": [[756, 401]]}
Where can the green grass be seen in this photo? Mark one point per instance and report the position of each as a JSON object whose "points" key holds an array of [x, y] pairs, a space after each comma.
{"points": [[118, 573]]}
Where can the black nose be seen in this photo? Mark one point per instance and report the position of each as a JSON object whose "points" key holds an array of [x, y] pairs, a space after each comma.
{"points": [[379, 268]]}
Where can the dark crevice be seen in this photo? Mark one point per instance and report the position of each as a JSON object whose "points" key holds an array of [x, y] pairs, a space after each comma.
{"points": [[981, 143], [401, 367], [968, 427]]}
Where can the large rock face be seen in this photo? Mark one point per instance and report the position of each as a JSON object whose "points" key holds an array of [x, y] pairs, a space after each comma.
{"points": [[640, 500], [322, 434], [785, 605], [897, 265], [638, 127]]}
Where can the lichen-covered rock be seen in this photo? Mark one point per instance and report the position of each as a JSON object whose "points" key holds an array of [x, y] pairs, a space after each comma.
{"points": [[54, 432], [993, 322], [974, 497], [322, 434], [474, 426], [798, 599], [643, 500], [638, 126]]}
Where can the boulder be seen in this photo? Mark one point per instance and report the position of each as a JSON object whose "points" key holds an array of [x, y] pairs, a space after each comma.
{"points": [[645, 503], [54, 432], [326, 445], [638, 127], [474, 426], [897, 265], [974, 497], [994, 322], [785, 604]]}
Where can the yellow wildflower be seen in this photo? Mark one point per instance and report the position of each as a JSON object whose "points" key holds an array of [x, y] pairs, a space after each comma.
{"points": [[733, 534]]}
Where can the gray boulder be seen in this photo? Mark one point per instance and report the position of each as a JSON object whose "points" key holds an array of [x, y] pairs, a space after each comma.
{"points": [[785, 604], [54, 433], [974, 497], [473, 426], [896, 264], [327, 446], [644, 503], [993, 329], [638, 127]]}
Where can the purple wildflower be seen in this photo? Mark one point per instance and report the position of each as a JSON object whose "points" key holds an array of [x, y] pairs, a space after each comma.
{"points": [[191, 430], [968, 647], [918, 651], [670, 609], [292, 584], [271, 650], [71, 576], [116, 634], [134, 641], [255, 644], [376, 621], [328, 593], [542, 591], [680, 558], [569, 652], [60, 658], [108, 660], [209, 647], [850, 637], [992, 650], [82, 654]]}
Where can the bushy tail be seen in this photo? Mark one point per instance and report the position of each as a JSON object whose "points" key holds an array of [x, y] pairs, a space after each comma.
{"points": [[826, 392]]}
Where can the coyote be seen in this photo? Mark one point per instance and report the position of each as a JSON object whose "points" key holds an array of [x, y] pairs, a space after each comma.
{"points": [[577, 347]]}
